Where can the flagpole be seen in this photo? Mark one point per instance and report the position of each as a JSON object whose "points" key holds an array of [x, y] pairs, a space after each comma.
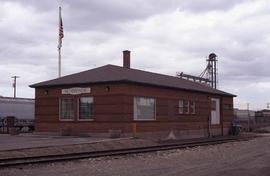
{"points": [[59, 45], [59, 62]]}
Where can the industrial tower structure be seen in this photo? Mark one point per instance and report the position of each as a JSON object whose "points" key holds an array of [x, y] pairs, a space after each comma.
{"points": [[209, 74]]}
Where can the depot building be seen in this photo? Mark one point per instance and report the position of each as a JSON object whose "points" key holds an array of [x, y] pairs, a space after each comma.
{"points": [[132, 102]]}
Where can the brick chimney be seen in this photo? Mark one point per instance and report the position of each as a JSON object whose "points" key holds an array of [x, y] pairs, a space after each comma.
{"points": [[126, 59]]}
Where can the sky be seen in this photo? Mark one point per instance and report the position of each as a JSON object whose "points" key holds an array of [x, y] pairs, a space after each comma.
{"points": [[164, 36]]}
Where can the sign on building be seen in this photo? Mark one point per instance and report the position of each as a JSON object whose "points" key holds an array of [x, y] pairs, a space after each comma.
{"points": [[76, 90]]}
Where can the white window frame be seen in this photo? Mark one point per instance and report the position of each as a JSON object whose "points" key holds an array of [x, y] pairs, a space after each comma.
{"points": [[78, 109], [60, 109], [135, 109], [181, 107], [184, 107], [192, 107]]}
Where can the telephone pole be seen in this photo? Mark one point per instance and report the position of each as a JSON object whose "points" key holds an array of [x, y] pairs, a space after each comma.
{"points": [[248, 117], [15, 85]]}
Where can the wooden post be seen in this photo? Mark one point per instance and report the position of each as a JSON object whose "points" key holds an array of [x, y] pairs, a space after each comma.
{"points": [[134, 129]]}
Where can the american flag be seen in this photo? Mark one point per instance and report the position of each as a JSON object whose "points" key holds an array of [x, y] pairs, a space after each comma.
{"points": [[61, 29]]}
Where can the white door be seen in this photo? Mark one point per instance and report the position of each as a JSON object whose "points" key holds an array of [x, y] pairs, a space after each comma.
{"points": [[215, 111]]}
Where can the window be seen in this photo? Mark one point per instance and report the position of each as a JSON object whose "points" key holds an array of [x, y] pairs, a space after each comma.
{"points": [[228, 106], [85, 108], [67, 109], [186, 107], [180, 107], [192, 107], [144, 108], [213, 105]]}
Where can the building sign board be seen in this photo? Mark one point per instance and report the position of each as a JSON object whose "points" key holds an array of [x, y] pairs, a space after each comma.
{"points": [[76, 90]]}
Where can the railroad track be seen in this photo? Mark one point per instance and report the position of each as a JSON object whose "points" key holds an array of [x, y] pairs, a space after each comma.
{"points": [[9, 162]]}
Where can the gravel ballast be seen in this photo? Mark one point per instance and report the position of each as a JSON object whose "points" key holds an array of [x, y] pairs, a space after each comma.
{"points": [[233, 159]]}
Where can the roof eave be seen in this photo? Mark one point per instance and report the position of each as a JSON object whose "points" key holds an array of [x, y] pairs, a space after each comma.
{"points": [[128, 81]]}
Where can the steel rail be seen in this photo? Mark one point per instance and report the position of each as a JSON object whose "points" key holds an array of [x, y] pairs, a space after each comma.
{"points": [[8, 162]]}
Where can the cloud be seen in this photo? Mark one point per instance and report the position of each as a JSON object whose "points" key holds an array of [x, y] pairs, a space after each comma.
{"points": [[164, 36], [94, 15]]}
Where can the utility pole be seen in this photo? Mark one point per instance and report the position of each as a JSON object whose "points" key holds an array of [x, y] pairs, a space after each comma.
{"points": [[15, 85], [267, 105], [248, 117]]}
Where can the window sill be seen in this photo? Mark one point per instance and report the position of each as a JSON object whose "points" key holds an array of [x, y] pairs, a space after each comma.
{"points": [[85, 120], [187, 114], [144, 120], [66, 120]]}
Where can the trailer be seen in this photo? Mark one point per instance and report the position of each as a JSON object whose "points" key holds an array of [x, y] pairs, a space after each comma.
{"points": [[22, 109]]}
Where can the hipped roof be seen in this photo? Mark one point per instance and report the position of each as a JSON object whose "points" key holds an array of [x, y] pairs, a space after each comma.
{"points": [[112, 73]]}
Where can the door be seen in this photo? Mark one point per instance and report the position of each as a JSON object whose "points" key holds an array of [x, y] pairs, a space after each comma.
{"points": [[215, 111]]}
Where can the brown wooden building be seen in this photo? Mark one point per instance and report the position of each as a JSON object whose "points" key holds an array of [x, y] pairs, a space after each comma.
{"points": [[113, 98]]}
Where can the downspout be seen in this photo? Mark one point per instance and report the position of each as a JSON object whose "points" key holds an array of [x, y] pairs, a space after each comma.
{"points": [[209, 118], [209, 126], [221, 115]]}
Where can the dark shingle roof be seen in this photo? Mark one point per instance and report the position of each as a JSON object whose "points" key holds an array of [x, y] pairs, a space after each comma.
{"points": [[112, 73]]}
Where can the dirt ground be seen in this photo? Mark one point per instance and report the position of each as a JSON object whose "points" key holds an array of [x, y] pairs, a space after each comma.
{"points": [[246, 158]]}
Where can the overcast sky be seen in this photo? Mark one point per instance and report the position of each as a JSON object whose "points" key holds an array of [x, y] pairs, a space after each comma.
{"points": [[164, 36]]}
